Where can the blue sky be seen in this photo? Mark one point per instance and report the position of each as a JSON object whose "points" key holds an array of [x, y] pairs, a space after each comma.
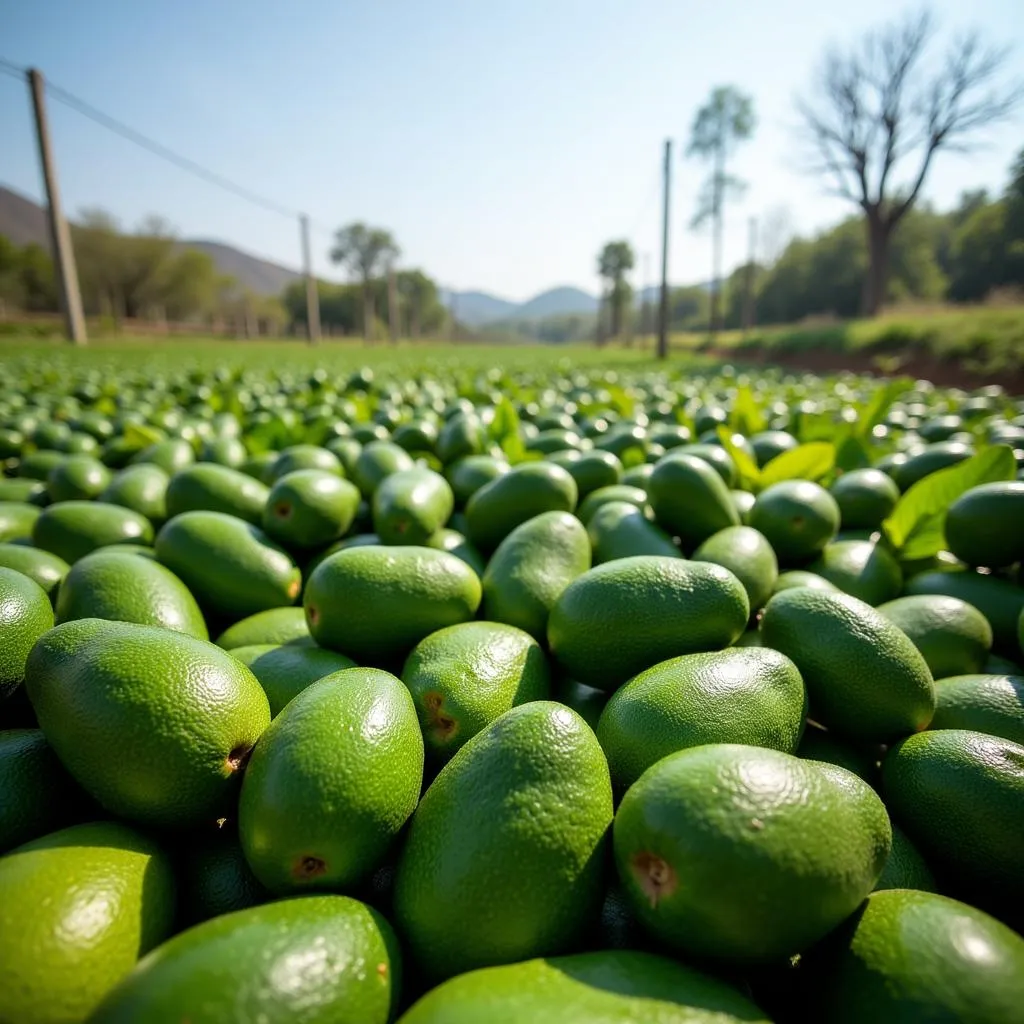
{"points": [[502, 142]]}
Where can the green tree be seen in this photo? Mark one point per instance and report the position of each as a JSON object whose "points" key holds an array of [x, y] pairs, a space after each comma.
{"points": [[365, 252], [885, 102], [979, 254], [615, 260], [421, 301], [724, 121]]}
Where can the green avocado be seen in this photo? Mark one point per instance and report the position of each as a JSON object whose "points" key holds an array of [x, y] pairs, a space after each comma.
{"points": [[316, 813], [463, 677], [863, 568], [214, 877], [155, 725], [73, 529], [750, 695], [908, 955], [531, 568], [25, 615], [309, 508], [314, 960], [864, 676], [285, 670], [111, 584], [376, 603], [274, 626], [622, 617], [77, 478], [527, 490], [747, 554], [745, 855], [142, 488], [411, 506], [618, 529], [983, 526], [232, 567], [690, 499], [43, 567], [207, 487], [39, 795], [504, 857]]}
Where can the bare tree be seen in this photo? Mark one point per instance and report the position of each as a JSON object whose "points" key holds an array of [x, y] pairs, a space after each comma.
{"points": [[882, 104]]}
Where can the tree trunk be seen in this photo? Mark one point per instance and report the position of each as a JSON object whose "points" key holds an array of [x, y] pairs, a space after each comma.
{"points": [[367, 313], [616, 302], [876, 279]]}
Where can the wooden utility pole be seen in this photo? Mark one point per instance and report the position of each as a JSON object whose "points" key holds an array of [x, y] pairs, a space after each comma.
{"points": [[393, 323], [312, 297], [748, 297], [644, 322], [60, 236], [663, 310]]}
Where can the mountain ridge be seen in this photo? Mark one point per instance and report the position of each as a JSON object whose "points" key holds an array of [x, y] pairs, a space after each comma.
{"points": [[23, 221]]}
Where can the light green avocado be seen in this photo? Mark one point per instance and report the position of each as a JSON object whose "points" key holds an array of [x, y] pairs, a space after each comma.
{"points": [[607, 987], [309, 959], [77, 909]]}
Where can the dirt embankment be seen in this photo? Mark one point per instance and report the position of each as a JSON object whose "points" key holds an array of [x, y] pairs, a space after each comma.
{"points": [[917, 365]]}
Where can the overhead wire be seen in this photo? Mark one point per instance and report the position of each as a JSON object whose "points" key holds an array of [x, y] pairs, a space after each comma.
{"points": [[159, 149]]}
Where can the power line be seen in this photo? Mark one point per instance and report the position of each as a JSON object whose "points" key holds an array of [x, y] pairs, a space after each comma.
{"points": [[12, 69], [160, 150]]}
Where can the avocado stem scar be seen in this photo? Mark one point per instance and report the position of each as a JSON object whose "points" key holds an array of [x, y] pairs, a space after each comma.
{"points": [[655, 876], [309, 867], [239, 757]]}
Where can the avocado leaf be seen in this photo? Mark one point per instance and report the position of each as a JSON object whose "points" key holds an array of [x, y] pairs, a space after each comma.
{"points": [[916, 527], [809, 461], [750, 475]]}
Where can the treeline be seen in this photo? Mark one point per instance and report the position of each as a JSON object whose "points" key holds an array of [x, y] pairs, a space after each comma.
{"points": [[343, 307], [960, 256], [145, 274]]}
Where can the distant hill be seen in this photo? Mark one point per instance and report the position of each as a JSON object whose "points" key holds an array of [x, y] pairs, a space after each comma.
{"points": [[556, 302], [24, 222], [21, 220], [259, 276], [477, 308]]}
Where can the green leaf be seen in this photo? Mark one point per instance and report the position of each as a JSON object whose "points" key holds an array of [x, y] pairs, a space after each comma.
{"points": [[505, 423], [142, 435], [875, 409], [916, 527], [745, 417], [852, 453], [805, 462], [750, 475]]}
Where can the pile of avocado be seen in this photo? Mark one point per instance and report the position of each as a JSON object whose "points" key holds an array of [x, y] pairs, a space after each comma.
{"points": [[587, 697]]}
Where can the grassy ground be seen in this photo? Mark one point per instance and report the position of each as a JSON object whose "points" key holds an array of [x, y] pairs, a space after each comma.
{"points": [[982, 339], [181, 353]]}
